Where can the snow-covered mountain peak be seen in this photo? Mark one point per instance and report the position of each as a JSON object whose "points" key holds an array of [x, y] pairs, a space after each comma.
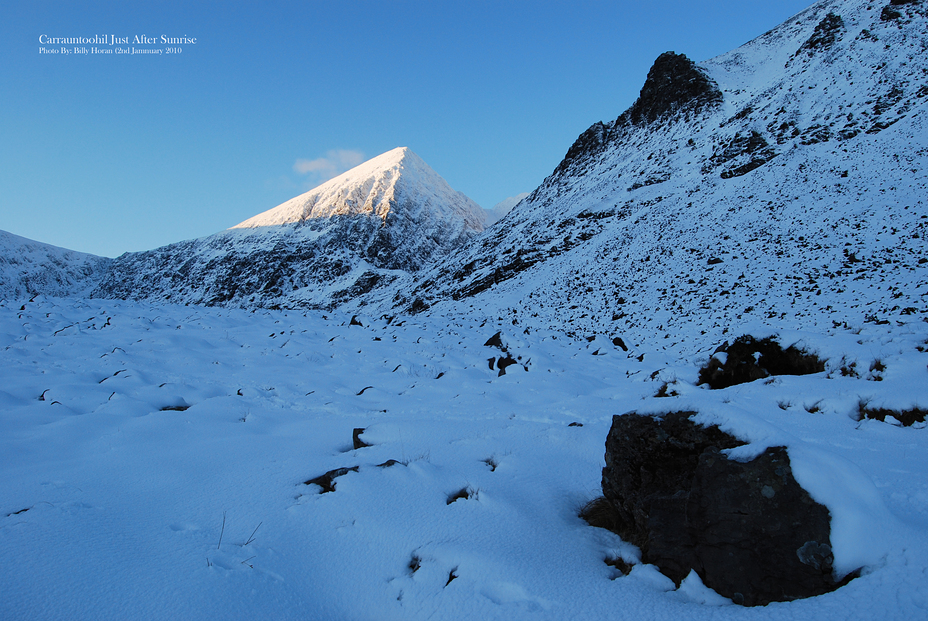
{"points": [[389, 215], [376, 188]]}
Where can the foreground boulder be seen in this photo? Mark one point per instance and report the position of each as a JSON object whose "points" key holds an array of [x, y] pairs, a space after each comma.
{"points": [[747, 528]]}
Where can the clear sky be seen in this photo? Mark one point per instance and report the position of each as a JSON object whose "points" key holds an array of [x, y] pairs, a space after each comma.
{"points": [[108, 153]]}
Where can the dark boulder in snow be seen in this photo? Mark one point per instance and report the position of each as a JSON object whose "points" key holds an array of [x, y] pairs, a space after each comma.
{"points": [[749, 359], [747, 528]]}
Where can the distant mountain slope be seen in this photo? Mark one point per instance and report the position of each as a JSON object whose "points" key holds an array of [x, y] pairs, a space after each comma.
{"points": [[503, 207], [29, 267], [784, 182], [388, 216]]}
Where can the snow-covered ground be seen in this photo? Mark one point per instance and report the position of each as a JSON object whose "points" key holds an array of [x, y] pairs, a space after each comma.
{"points": [[116, 506]]}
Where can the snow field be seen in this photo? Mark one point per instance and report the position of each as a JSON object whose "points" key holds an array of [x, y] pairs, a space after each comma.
{"points": [[118, 502]]}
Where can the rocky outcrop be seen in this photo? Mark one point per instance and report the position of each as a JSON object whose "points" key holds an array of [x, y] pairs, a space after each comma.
{"points": [[824, 36], [748, 359], [747, 528], [674, 83], [588, 144]]}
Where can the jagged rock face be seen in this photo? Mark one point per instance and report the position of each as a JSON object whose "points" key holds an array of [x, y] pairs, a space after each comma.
{"points": [[587, 144], [674, 82], [747, 528]]}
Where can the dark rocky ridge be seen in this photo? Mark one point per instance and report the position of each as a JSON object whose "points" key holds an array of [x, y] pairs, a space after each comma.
{"points": [[674, 83]]}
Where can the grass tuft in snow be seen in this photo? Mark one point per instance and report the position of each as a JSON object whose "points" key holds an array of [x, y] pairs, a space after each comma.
{"points": [[600, 513]]}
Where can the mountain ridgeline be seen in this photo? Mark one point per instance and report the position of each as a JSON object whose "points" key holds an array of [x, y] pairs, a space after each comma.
{"points": [[781, 183]]}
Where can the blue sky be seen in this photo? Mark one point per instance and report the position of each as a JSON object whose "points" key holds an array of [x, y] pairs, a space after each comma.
{"points": [[108, 154]]}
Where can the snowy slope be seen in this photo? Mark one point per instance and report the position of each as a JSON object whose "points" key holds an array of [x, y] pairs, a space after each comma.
{"points": [[386, 217], [155, 460], [28, 268], [789, 192], [503, 207]]}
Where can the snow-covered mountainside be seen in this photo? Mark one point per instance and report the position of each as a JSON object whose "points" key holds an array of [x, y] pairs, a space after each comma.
{"points": [[390, 215], [28, 268], [782, 183]]}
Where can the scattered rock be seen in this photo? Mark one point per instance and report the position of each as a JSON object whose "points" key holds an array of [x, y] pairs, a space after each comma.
{"points": [[747, 528], [748, 359], [356, 440], [502, 363], [327, 480], [906, 418], [495, 341]]}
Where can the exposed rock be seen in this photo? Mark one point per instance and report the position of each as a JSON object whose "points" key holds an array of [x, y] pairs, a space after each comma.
{"points": [[502, 363], [587, 144], [889, 13], [495, 341], [327, 481], [752, 147], [906, 418], [824, 36], [748, 359], [356, 440], [748, 529], [673, 83]]}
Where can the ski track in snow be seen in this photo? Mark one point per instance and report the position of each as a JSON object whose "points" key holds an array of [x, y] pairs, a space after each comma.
{"points": [[113, 506]]}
